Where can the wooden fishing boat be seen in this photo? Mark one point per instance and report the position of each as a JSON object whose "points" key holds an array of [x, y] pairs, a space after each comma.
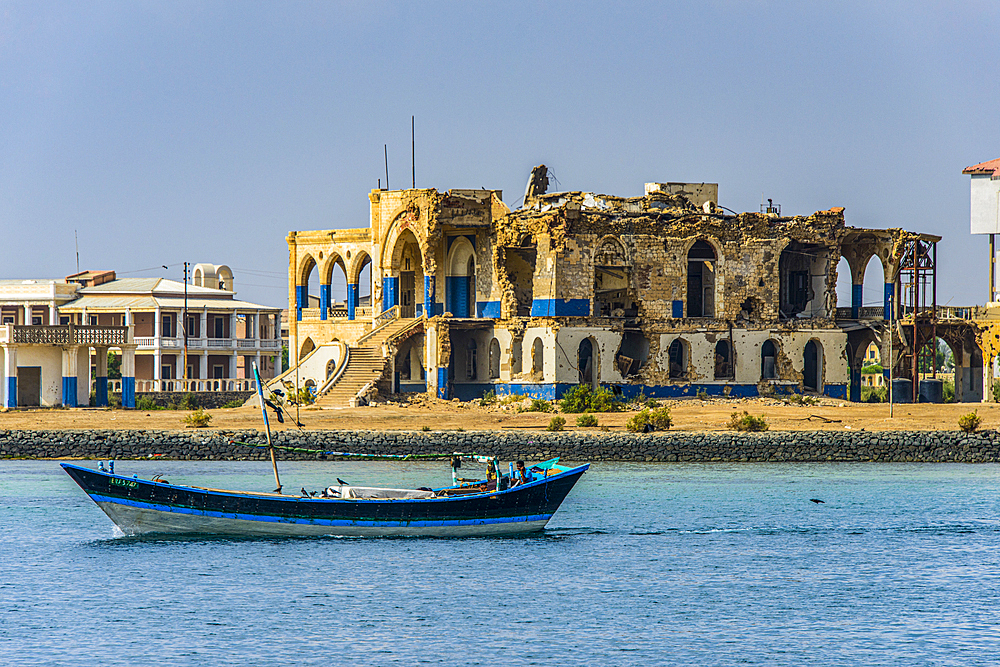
{"points": [[483, 507], [519, 502]]}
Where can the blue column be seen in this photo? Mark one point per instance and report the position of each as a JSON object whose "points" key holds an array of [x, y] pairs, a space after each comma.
{"points": [[101, 389], [301, 300], [325, 294], [442, 389], [12, 392], [429, 307], [69, 392], [857, 298], [855, 394], [128, 392], [887, 303], [390, 292], [352, 300]]}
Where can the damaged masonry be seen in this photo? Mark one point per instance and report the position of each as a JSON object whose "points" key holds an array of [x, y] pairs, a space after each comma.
{"points": [[453, 293]]}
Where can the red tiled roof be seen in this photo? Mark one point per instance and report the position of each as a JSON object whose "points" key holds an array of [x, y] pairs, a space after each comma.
{"points": [[992, 167]]}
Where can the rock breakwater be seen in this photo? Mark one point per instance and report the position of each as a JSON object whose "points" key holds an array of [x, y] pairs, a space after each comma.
{"points": [[670, 446]]}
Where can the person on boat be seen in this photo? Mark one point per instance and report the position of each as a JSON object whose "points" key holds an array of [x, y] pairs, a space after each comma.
{"points": [[521, 476]]}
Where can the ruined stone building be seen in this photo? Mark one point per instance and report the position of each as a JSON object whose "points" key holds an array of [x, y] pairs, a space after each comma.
{"points": [[666, 294]]}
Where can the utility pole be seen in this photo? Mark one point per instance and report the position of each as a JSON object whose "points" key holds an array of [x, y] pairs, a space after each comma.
{"points": [[186, 264]]}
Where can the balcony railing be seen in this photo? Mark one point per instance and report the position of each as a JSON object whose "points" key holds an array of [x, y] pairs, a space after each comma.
{"points": [[864, 313], [66, 334], [144, 386], [149, 343]]}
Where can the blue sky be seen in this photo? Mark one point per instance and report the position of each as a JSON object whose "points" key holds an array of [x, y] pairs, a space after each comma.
{"points": [[204, 132]]}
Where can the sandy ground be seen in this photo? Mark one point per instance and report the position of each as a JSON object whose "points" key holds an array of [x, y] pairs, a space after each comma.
{"points": [[688, 414]]}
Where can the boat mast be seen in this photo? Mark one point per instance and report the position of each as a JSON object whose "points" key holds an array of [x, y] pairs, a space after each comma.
{"points": [[267, 426]]}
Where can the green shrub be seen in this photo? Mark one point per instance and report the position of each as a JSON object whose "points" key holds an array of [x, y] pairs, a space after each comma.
{"points": [[655, 419], [556, 424], [582, 398], [235, 403], [949, 391], [702, 395], [799, 399], [586, 420], [872, 369], [576, 400], [970, 422], [425, 428], [198, 419], [146, 403], [874, 395], [539, 405], [747, 422], [189, 402], [489, 398]]}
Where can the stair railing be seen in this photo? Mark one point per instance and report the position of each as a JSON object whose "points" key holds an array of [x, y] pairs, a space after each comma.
{"points": [[332, 380], [381, 322]]}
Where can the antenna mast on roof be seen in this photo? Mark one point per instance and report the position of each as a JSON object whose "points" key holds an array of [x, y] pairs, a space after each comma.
{"points": [[413, 152], [385, 147], [77, 238]]}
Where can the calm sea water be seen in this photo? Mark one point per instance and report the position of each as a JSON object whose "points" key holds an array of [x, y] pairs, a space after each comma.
{"points": [[643, 565]]}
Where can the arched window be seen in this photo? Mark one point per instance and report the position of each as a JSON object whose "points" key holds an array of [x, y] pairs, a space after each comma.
{"points": [[537, 356], [723, 361], [677, 354], [587, 362], [471, 359], [494, 359], [768, 360], [811, 366], [612, 280], [701, 280]]}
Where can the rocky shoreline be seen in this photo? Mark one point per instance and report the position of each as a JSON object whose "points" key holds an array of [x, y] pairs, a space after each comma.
{"points": [[669, 446]]}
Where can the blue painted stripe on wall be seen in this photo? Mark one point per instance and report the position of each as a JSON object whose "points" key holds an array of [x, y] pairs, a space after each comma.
{"points": [[887, 301], [677, 309], [128, 392], [560, 308], [12, 392], [69, 392], [353, 292], [101, 392], [553, 391], [489, 309], [857, 299]]}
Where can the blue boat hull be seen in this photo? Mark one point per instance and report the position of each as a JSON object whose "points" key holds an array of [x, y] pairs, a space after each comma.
{"points": [[140, 507]]}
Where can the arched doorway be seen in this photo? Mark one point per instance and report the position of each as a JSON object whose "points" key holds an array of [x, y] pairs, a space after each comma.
{"points": [[612, 280], [519, 265], [768, 360], [460, 284], [812, 366], [587, 363], [494, 359], [701, 280], [723, 361], [537, 357], [405, 287], [678, 359], [307, 347]]}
